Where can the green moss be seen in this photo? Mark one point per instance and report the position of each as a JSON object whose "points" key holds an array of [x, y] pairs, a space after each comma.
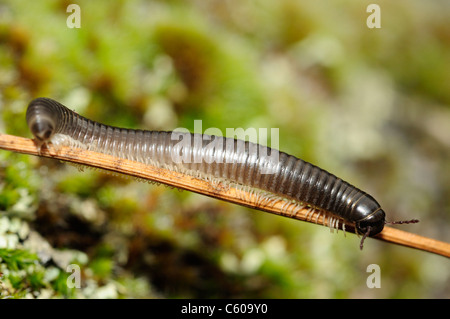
{"points": [[8, 197], [102, 268], [17, 259], [82, 184], [59, 284]]}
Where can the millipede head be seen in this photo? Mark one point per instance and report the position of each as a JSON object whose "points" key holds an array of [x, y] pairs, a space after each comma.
{"points": [[372, 224]]}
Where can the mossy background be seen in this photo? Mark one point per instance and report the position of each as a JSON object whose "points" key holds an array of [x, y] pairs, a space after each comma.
{"points": [[370, 105]]}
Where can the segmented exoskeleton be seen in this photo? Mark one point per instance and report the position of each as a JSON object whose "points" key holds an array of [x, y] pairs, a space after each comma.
{"points": [[212, 157]]}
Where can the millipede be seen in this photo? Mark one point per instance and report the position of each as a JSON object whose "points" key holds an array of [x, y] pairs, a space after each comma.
{"points": [[270, 174]]}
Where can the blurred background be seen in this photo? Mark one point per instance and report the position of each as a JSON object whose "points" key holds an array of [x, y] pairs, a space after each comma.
{"points": [[371, 106]]}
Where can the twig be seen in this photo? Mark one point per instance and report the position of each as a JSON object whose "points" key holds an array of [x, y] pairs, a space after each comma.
{"points": [[179, 180]]}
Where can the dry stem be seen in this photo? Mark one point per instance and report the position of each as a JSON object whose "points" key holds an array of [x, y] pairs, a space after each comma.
{"points": [[179, 180]]}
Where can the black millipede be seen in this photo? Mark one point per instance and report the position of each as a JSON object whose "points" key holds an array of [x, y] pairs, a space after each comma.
{"points": [[214, 158]]}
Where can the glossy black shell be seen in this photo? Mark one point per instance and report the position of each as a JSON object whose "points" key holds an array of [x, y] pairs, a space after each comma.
{"points": [[234, 160]]}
